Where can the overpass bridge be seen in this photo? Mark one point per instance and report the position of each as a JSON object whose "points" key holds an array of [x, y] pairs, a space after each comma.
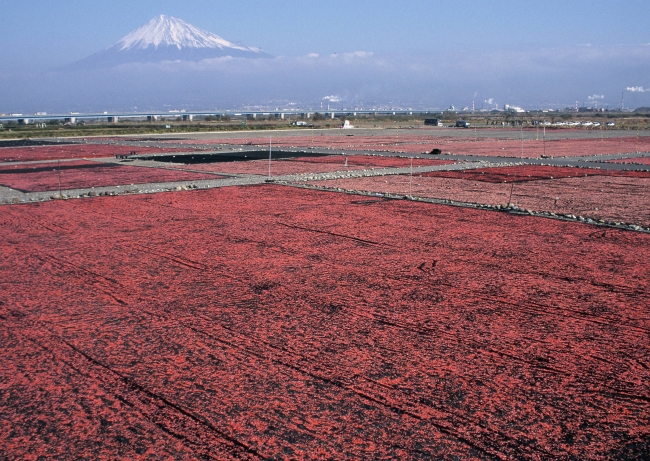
{"points": [[114, 117]]}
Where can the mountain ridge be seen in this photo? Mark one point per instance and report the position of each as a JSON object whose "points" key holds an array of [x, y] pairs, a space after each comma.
{"points": [[166, 38]]}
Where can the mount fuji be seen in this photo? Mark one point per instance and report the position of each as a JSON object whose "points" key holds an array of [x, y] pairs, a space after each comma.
{"points": [[166, 38]]}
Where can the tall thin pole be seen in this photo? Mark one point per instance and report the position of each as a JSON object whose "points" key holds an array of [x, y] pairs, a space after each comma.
{"points": [[514, 176], [397, 139], [59, 165], [512, 186], [270, 143], [622, 100], [411, 179], [544, 140]]}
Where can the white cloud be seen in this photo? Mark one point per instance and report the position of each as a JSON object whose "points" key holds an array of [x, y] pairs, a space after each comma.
{"points": [[359, 54], [332, 98], [532, 77]]}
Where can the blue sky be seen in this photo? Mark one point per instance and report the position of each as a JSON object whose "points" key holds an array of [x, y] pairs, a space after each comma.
{"points": [[39, 36]]}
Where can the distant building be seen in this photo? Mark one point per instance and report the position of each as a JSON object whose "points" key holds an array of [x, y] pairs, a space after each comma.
{"points": [[433, 121], [515, 109]]}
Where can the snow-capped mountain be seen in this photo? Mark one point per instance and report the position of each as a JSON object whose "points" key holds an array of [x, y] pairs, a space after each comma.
{"points": [[166, 38]]}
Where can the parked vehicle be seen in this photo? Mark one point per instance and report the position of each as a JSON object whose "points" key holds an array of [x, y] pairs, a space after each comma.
{"points": [[462, 124], [433, 121]]}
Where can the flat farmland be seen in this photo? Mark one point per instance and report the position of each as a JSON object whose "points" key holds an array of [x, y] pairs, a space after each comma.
{"points": [[304, 165], [36, 177], [271, 322], [609, 197], [527, 173], [74, 151], [534, 144]]}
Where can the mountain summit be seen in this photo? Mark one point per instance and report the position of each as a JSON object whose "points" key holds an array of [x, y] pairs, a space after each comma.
{"points": [[166, 38], [168, 31]]}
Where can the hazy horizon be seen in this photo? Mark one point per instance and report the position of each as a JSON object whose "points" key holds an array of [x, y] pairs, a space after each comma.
{"points": [[361, 55]]}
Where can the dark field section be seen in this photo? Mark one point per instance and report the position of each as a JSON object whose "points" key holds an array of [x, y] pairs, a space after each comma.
{"points": [[30, 143], [190, 159], [282, 323], [61, 151]]}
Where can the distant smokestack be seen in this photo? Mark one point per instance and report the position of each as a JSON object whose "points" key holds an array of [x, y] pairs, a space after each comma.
{"points": [[622, 100]]}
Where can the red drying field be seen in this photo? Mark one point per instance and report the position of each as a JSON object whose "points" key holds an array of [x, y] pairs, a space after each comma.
{"points": [[484, 147], [536, 148], [302, 324], [303, 165], [611, 198], [526, 173], [37, 177], [66, 151], [636, 160]]}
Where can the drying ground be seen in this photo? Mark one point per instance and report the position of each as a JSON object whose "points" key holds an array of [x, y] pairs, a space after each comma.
{"points": [[591, 193], [273, 322], [533, 143], [41, 176], [72, 151], [278, 321]]}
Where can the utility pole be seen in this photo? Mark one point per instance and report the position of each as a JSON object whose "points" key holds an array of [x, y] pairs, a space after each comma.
{"points": [[622, 100], [270, 141], [411, 180]]}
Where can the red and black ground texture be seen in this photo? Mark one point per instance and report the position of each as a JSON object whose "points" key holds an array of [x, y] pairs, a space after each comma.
{"points": [[73, 151], [589, 192], [279, 323], [534, 145], [36, 177], [304, 165], [527, 173]]}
